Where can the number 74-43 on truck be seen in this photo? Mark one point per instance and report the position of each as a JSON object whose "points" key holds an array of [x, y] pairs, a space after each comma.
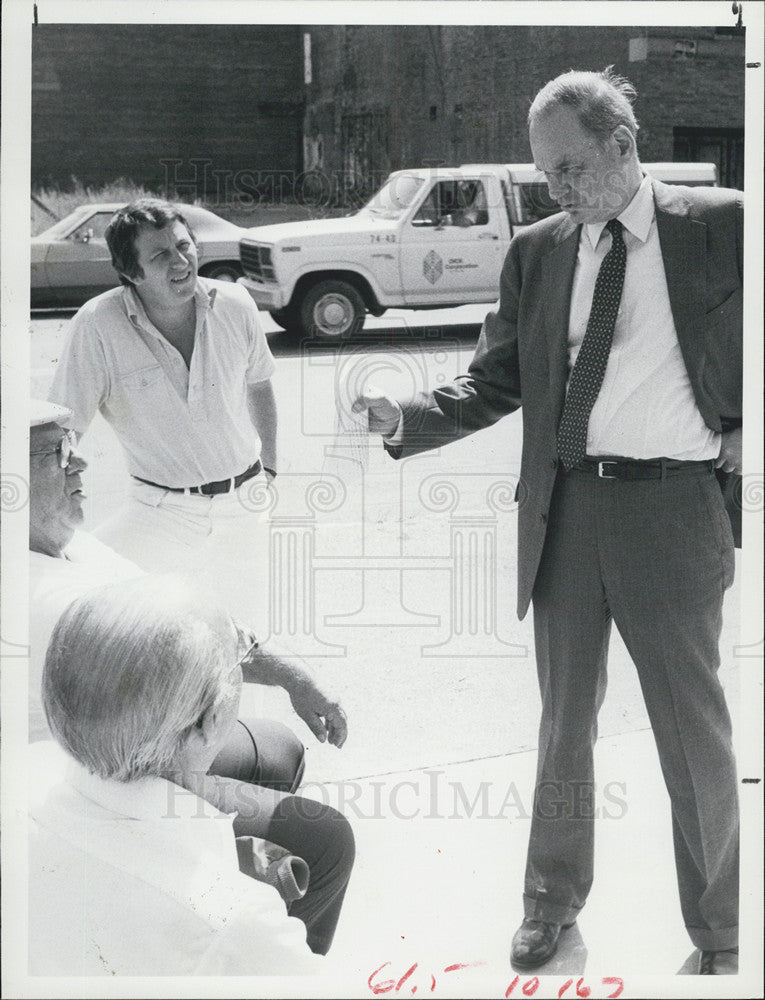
{"points": [[428, 239]]}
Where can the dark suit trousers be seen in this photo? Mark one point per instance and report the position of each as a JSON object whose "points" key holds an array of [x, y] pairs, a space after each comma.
{"points": [[655, 557], [271, 759]]}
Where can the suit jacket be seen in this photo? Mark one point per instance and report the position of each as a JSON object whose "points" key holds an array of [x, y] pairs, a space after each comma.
{"points": [[522, 352]]}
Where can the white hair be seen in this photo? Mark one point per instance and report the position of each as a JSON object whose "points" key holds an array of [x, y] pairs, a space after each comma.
{"points": [[130, 668], [602, 100]]}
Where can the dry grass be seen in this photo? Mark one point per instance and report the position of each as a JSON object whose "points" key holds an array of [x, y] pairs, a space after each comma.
{"points": [[58, 203]]}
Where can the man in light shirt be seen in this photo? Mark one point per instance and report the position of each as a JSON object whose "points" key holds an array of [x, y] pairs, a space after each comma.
{"points": [[133, 869], [262, 759], [621, 517], [180, 368]]}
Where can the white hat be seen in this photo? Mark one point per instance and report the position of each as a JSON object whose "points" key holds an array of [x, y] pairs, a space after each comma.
{"points": [[41, 412]]}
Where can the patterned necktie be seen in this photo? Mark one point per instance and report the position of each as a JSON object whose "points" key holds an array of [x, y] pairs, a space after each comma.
{"points": [[587, 376]]}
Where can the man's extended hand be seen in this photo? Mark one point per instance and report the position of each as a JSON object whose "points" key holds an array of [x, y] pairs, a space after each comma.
{"points": [[730, 457], [384, 412], [320, 712]]}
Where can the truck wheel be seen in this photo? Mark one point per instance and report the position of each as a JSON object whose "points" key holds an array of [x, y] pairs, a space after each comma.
{"points": [[285, 318], [223, 271], [331, 310]]}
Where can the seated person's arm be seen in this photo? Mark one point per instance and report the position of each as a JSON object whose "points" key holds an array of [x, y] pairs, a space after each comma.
{"points": [[319, 708]]}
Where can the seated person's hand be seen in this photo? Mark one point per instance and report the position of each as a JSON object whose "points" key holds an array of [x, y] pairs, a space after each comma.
{"points": [[320, 711]]}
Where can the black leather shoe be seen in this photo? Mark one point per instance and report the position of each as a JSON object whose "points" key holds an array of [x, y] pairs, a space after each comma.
{"points": [[719, 963], [534, 943]]}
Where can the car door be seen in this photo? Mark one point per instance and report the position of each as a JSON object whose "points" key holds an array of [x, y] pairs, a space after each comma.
{"points": [[78, 266], [451, 247]]}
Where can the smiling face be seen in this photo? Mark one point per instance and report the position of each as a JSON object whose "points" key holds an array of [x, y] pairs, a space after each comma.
{"points": [[168, 259], [55, 494], [592, 180]]}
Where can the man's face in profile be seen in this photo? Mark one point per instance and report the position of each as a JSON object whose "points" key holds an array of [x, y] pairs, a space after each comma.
{"points": [[55, 493]]}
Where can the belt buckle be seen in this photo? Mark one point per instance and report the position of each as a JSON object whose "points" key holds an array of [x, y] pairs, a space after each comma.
{"points": [[604, 475]]}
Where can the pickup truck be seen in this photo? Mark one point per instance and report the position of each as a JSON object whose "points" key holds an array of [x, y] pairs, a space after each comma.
{"points": [[429, 238]]}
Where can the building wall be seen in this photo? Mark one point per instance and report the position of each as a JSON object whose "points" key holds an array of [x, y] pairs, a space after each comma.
{"points": [[225, 106], [112, 101], [456, 94]]}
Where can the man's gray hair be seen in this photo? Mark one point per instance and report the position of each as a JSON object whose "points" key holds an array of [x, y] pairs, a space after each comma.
{"points": [[130, 668], [603, 100]]}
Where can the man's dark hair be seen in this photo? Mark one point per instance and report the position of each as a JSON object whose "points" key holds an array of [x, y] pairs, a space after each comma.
{"points": [[125, 226]]}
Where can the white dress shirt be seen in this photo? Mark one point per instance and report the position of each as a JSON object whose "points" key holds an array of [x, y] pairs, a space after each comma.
{"points": [[178, 426], [141, 878], [646, 407]]}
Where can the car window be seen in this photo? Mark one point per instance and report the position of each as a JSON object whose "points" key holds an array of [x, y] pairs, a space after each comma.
{"points": [[394, 197], [454, 203], [536, 202], [94, 228]]}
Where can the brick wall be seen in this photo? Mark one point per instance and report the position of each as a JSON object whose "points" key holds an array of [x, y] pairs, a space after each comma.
{"points": [[113, 101], [460, 94], [227, 102]]}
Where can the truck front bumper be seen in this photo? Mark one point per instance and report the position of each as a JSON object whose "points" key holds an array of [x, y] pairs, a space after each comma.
{"points": [[267, 296]]}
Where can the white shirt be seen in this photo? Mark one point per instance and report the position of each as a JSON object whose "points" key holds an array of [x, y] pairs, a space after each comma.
{"points": [[53, 585], [178, 426], [646, 407], [141, 878]]}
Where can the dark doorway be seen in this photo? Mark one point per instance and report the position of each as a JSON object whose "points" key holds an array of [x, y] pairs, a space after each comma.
{"points": [[723, 146]]}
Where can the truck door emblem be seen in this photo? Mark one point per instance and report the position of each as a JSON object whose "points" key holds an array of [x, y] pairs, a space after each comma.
{"points": [[432, 267]]}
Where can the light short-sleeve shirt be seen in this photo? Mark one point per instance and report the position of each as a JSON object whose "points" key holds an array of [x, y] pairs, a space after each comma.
{"points": [[141, 878], [178, 426]]}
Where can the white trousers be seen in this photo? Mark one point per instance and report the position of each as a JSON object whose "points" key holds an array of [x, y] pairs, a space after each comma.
{"points": [[220, 543]]}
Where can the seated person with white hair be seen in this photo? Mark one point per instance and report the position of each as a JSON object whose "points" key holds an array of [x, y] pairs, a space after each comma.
{"points": [[262, 758], [132, 870]]}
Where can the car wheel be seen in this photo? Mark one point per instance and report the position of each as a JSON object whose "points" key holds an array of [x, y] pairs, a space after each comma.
{"points": [[331, 310], [223, 271], [287, 319]]}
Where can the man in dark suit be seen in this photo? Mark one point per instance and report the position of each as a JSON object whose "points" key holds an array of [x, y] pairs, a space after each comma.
{"points": [[619, 332]]}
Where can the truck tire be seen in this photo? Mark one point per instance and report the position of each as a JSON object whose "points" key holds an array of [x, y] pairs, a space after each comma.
{"points": [[331, 310], [287, 319], [223, 270]]}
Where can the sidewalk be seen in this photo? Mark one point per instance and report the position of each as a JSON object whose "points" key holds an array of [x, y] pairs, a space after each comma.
{"points": [[441, 854]]}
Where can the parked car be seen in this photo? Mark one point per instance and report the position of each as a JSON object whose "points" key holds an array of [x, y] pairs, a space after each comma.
{"points": [[429, 238], [71, 262]]}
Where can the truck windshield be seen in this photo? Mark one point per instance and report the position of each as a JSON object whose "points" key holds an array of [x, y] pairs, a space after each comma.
{"points": [[394, 197]]}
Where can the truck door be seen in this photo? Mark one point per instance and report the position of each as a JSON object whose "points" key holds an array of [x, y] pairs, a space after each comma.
{"points": [[451, 247]]}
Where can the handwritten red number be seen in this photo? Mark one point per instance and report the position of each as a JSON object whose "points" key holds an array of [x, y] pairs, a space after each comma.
{"points": [[530, 987], [404, 978], [432, 982], [511, 987], [564, 987], [614, 980], [581, 989], [384, 987]]}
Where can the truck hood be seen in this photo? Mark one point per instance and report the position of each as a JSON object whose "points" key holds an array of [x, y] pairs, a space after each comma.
{"points": [[352, 228]]}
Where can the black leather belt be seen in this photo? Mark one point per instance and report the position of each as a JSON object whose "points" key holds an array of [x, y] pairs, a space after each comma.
{"points": [[635, 468], [210, 489]]}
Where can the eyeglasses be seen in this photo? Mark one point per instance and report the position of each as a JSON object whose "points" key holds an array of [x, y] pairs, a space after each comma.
{"points": [[63, 449], [246, 643]]}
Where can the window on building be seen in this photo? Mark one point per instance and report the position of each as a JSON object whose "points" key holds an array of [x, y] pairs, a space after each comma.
{"points": [[722, 146]]}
